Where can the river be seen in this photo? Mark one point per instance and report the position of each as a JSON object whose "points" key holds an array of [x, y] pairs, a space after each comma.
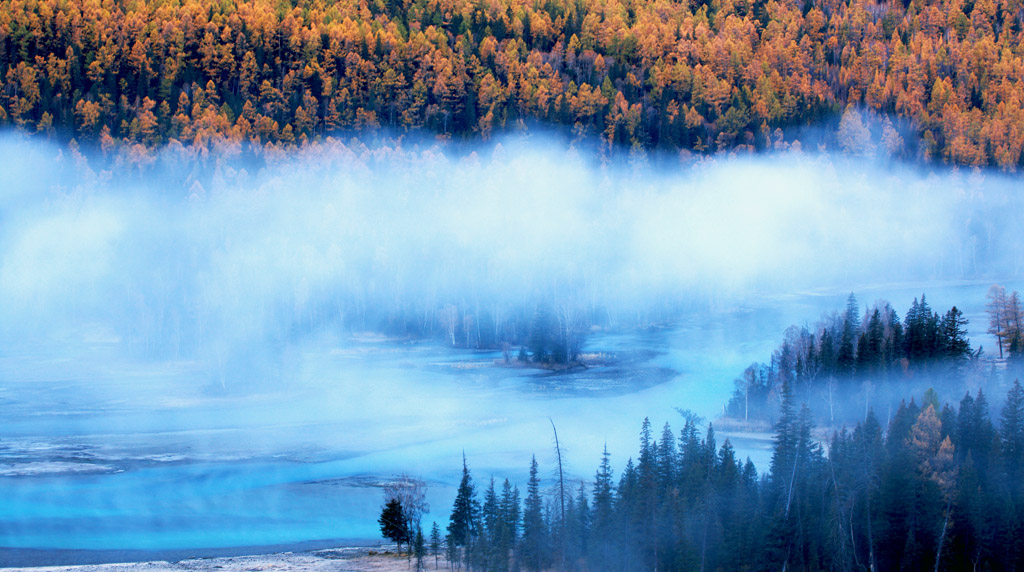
{"points": [[103, 453]]}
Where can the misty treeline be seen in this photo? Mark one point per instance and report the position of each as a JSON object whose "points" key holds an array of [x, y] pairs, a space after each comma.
{"points": [[849, 357], [542, 332], [938, 488], [230, 261]]}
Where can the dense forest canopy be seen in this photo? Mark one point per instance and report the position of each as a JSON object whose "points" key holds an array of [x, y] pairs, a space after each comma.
{"points": [[849, 361], [932, 80], [936, 488], [932, 484]]}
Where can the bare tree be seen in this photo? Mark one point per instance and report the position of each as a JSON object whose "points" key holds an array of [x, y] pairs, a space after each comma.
{"points": [[830, 398], [996, 308], [467, 326], [411, 493], [449, 316], [561, 476], [561, 495], [569, 320]]}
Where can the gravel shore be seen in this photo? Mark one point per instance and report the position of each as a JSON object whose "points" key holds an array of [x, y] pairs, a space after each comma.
{"points": [[348, 559]]}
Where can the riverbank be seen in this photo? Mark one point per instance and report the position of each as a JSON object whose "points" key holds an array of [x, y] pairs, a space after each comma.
{"points": [[337, 559]]}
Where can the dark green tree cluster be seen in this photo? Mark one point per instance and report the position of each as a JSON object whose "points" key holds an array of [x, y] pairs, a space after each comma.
{"points": [[545, 334], [674, 508], [939, 489], [556, 337], [404, 504], [394, 524], [826, 363]]}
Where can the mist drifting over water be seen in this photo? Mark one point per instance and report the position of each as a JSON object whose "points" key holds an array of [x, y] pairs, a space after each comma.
{"points": [[181, 258], [175, 320]]}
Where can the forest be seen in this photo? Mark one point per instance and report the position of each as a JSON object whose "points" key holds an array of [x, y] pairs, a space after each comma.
{"points": [[849, 357], [938, 488], [934, 484], [924, 80]]}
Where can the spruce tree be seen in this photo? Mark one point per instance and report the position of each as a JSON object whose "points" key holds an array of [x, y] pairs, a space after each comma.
{"points": [[603, 491], [912, 332], [827, 354], [1011, 434], [419, 548], [532, 548], [874, 349], [846, 358], [463, 526], [851, 317], [627, 508], [956, 348], [666, 459], [784, 450], [435, 543], [603, 521], [512, 514], [491, 529], [393, 524], [583, 523], [542, 335]]}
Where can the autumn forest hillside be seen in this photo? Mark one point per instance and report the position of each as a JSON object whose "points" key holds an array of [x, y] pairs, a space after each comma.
{"points": [[929, 80]]}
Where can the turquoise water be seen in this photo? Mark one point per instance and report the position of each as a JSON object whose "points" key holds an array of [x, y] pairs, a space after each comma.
{"points": [[151, 456]]}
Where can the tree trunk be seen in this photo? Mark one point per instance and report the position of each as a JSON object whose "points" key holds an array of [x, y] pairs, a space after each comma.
{"points": [[561, 479], [942, 538]]}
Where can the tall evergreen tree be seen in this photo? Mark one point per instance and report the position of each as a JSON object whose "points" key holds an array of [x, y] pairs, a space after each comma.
{"points": [[628, 512], [1011, 434], [435, 543], [583, 520], [543, 335], [827, 354], [602, 521], [419, 548], [974, 434], [875, 344], [509, 519], [463, 526], [1011, 439], [846, 357], [603, 492], [490, 554], [393, 524], [851, 317], [532, 548], [955, 346]]}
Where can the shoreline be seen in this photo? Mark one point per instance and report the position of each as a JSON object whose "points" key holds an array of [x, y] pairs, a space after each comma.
{"points": [[46, 558]]}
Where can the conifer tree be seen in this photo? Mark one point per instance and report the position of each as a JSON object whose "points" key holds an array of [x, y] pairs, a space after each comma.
{"points": [[583, 516], [603, 492], [532, 548], [851, 317], [508, 508], [490, 537], [464, 523], [1011, 434], [542, 335], [419, 548], [393, 523], [846, 357], [955, 347], [435, 543]]}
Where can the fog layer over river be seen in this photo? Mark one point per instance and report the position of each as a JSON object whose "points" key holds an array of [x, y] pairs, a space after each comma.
{"points": [[190, 360]]}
